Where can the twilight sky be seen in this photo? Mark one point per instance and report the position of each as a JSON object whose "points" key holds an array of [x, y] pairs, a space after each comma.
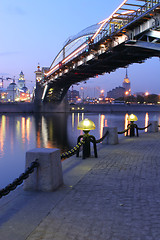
{"points": [[34, 31]]}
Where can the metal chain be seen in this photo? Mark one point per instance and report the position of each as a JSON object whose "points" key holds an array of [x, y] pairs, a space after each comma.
{"points": [[144, 127], [102, 138], [72, 151], [125, 130], [18, 181]]}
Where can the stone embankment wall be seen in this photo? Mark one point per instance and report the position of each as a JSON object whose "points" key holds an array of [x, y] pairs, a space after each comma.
{"points": [[64, 107], [115, 108], [16, 107]]}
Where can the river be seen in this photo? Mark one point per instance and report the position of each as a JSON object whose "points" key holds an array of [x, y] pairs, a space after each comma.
{"points": [[22, 132]]}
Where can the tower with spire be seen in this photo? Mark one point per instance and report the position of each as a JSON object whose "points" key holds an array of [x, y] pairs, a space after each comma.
{"points": [[21, 81], [127, 85]]}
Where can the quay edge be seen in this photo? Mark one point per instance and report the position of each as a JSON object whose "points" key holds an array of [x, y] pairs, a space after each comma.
{"points": [[64, 107]]}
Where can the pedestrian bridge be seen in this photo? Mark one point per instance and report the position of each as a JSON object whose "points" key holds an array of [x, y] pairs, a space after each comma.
{"points": [[129, 35]]}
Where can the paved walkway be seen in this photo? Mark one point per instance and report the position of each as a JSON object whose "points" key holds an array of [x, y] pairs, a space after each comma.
{"points": [[114, 197]]}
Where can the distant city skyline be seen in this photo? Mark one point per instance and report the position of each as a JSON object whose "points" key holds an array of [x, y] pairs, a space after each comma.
{"points": [[35, 31]]}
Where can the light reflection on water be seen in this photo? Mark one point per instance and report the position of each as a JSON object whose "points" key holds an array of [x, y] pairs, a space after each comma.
{"points": [[20, 133]]}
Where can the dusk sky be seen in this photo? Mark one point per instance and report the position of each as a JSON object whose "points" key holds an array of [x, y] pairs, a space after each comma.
{"points": [[34, 31]]}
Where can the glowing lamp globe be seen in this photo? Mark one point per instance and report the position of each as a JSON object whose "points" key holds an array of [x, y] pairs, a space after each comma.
{"points": [[86, 125], [132, 118]]}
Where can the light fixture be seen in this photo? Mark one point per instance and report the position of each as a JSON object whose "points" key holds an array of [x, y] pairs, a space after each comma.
{"points": [[132, 118], [86, 125]]}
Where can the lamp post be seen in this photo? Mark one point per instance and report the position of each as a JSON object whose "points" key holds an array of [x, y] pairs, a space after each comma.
{"points": [[86, 125], [132, 118]]}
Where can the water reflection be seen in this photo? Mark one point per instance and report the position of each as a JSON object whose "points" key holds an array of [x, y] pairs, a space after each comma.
{"points": [[72, 120], [102, 117], [51, 131], [2, 133], [126, 122], [146, 121]]}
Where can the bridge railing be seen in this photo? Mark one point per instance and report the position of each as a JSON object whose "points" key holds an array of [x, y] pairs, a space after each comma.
{"points": [[115, 24], [111, 28]]}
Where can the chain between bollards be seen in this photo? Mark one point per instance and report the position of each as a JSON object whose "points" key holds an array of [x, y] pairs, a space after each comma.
{"points": [[132, 126], [102, 138], [72, 151], [18, 181], [144, 127], [125, 130]]}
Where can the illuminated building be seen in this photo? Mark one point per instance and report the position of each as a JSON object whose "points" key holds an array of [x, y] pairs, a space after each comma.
{"points": [[12, 92], [21, 85], [24, 97], [73, 95], [116, 93], [23, 92], [102, 97], [127, 85], [21, 81], [38, 74], [123, 91], [3, 95], [17, 92]]}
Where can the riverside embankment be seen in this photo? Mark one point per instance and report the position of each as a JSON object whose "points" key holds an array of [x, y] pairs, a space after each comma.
{"points": [[94, 108], [65, 107], [115, 196]]}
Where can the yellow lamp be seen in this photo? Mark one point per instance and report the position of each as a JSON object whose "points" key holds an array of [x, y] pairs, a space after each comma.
{"points": [[86, 125], [132, 118]]}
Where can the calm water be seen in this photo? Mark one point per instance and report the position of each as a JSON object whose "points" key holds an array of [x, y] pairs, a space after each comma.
{"points": [[20, 133]]}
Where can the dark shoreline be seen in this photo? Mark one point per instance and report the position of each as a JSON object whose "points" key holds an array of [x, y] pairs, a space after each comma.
{"points": [[66, 108], [95, 108]]}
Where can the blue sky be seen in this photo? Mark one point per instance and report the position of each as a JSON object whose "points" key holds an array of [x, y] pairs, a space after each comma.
{"points": [[33, 31]]}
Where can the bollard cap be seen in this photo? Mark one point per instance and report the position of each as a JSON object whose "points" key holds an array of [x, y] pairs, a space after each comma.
{"points": [[132, 118], [86, 125]]}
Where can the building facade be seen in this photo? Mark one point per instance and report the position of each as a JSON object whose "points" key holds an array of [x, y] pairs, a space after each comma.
{"points": [[116, 93]]}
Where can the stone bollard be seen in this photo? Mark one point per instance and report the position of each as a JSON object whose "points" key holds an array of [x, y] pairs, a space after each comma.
{"points": [[48, 176], [153, 127], [112, 137]]}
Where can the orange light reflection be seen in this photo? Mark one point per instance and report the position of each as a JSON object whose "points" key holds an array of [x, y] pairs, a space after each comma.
{"points": [[2, 133], [101, 125], [38, 139], [27, 128], [146, 121], [126, 123], [72, 121], [23, 129]]}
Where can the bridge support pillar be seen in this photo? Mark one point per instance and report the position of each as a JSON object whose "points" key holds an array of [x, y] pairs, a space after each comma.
{"points": [[112, 137], [153, 127], [48, 176]]}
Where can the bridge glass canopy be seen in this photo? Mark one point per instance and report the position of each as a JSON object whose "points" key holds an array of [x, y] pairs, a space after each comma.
{"points": [[74, 42]]}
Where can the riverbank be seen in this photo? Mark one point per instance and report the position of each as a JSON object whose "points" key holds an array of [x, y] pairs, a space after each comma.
{"points": [[111, 108], [66, 108], [114, 196]]}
